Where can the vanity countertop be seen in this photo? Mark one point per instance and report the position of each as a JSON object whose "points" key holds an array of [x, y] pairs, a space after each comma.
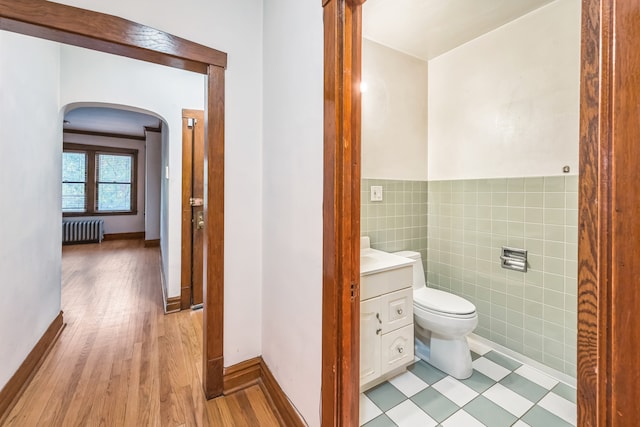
{"points": [[375, 261]]}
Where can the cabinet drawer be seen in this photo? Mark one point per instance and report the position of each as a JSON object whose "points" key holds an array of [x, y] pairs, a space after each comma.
{"points": [[397, 310], [397, 349], [373, 285]]}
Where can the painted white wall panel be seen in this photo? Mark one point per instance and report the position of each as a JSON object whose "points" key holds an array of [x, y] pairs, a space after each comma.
{"points": [[31, 191], [507, 103], [394, 114], [292, 198]]}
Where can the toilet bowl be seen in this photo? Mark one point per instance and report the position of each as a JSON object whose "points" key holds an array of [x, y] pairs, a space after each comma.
{"points": [[442, 323]]}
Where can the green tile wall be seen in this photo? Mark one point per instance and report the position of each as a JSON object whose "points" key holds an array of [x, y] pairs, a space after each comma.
{"points": [[399, 221], [533, 313]]}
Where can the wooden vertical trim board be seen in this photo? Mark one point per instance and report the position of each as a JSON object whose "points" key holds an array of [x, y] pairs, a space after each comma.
{"points": [[213, 284], [14, 388], [594, 240], [107, 33], [255, 371], [341, 254]]}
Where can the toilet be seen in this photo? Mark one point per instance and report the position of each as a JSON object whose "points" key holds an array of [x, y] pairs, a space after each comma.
{"points": [[442, 322]]}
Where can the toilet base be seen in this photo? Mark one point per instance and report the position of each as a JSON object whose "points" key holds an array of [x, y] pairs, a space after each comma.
{"points": [[451, 355]]}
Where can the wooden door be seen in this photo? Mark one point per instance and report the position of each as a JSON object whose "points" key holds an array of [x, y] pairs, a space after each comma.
{"points": [[193, 215]]}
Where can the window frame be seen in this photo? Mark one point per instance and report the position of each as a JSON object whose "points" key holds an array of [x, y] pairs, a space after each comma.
{"points": [[91, 190]]}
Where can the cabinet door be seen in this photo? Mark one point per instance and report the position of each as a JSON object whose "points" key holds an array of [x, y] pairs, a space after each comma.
{"points": [[397, 349], [397, 310], [370, 329]]}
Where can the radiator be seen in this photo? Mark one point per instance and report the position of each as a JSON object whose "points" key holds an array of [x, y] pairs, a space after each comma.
{"points": [[82, 231]]}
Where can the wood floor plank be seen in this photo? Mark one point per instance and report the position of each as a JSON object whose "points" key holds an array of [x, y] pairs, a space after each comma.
{"points": [[120, 361]]}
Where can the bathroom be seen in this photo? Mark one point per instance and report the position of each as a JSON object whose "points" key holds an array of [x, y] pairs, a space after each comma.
{"points": [[475, 147]]}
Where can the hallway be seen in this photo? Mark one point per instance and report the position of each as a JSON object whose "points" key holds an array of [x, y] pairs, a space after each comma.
{"points": [[120, 361]]}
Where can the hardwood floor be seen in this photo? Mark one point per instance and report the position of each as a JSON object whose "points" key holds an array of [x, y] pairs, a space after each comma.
{"points": [[121, 361]]}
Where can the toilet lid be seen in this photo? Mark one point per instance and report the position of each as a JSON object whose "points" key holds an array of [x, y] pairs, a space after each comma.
{"points": [[443, 302]]}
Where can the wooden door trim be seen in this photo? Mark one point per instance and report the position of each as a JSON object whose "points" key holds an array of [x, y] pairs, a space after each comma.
{"points": [[341, 212], [110, 34], [597, 241]]}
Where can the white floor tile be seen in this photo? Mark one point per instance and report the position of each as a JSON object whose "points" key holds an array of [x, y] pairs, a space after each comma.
{"points": [[520, 423], [455, 391], [537, 377], [368, 409], [461, 419], [408, 383], [408, 414], [478, 347], [490, 369], [560, 406], [508, 400]]}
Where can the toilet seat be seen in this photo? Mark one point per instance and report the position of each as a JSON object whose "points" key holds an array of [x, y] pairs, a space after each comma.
{"points": [[443, 303]]}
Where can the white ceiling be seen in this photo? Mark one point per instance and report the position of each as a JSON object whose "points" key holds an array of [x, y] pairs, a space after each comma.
{"points": [[109, 120], [428, 28]]}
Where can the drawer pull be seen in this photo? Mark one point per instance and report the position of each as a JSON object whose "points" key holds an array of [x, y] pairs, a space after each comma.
{"points": [[400, 350], [399, 311], [378, 331], [378, 317]]}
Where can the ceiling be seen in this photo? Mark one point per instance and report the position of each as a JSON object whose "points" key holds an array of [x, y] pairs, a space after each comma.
{"points": [[428, 28], [109, 120]]}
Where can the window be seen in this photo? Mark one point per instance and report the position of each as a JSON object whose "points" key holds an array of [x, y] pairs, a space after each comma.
{"points": [[98, 180]]}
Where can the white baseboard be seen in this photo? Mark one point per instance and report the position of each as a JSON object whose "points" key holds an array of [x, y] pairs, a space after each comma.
{"points": [[483, 345]]}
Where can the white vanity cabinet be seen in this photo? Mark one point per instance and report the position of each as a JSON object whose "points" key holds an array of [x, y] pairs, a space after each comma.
{"points": [[386, 325]]}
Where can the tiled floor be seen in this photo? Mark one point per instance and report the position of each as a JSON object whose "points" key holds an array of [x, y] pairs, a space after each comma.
{"points": [[501, 392]]}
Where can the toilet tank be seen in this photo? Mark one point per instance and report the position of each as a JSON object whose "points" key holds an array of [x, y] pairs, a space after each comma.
{"points": [[418, 270]]}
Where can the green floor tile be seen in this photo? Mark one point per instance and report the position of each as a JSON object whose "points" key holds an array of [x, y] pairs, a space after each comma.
{"points": [[426, 372], [381, 421], [565, 391], [385, 396], [502, 360], [489, 413], [540, 417], [435, 404], [524, 387], [475, 355], [478, 381]]}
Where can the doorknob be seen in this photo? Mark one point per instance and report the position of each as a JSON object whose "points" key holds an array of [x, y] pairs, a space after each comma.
{"points": [[200, 220]]}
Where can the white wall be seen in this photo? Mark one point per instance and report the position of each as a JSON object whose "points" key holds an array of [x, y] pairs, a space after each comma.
{"points": [[119, 223], [142, 85], [507, 103], [236, 28], [394, 114], [30, 173], [292, 198], [153, 169]]}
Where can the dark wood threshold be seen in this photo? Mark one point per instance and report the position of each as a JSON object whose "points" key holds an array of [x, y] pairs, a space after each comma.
{"points": [[124, 236], [18, 383], [255, 371], [154, 243]]}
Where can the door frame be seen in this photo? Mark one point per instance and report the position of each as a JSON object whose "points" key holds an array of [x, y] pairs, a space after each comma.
{"points": [[110, 34], [606, 343]]}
